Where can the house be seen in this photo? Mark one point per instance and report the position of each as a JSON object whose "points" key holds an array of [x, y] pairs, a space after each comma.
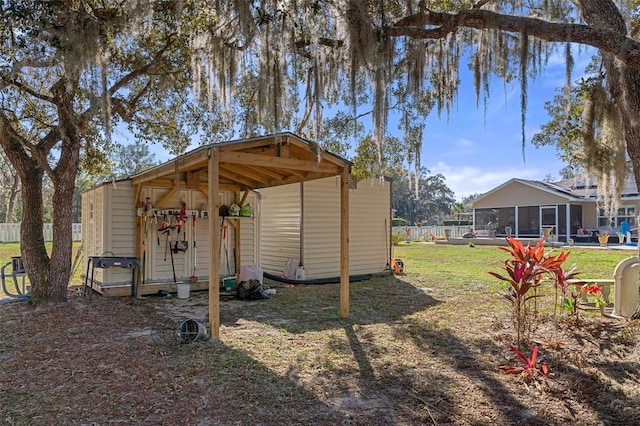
{"points": [[266, 201], [565, 210]]}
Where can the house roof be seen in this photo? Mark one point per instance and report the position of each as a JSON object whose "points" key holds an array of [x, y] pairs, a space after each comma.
{"points": [[551, 188], [587, 188], [247, 164], [574, 189]]}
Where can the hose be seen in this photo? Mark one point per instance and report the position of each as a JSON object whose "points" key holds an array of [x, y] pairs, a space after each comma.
{"points": [[331, 280]]}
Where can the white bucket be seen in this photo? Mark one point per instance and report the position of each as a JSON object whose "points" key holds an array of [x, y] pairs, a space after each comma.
{"points": [[183, 291], [300, 273]]}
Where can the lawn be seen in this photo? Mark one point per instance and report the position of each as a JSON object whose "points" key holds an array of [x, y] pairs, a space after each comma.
{"points": [[421, 348], [9, 250]]}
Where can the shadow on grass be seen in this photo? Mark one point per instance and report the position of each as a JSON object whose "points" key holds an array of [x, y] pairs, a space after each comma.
{"points": [[431, 375], [92, 363], [306, 308]]}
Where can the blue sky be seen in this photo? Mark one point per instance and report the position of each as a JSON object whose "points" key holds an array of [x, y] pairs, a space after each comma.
{"points": [[476, 153]]}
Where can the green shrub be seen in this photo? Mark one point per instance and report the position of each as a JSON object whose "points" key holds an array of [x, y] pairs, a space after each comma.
{"points": [[398, 236]]}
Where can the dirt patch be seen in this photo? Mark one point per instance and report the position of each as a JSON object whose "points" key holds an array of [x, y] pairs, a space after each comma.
{"points": [[412, 351]]}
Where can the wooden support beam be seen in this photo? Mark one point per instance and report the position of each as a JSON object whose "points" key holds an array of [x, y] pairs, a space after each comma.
{"points": [[249, 173], [229, 173], [268, 173], [285, 150], [213, 197], [344, 243], [244, 198], [295, 179], [136, 200], [160, 204], [277, 162]]}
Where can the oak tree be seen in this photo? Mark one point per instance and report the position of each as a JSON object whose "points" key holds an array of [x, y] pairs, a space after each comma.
{"points": [[71, 70]]}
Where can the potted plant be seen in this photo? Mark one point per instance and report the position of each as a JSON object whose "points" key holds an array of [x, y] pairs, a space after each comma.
{"points": [[603, 238]]}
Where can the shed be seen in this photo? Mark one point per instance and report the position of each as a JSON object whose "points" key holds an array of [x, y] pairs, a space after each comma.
{"points": [[300, 203]]}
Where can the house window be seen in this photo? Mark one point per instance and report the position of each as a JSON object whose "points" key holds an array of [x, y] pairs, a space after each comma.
{"points": [[627, 213]]}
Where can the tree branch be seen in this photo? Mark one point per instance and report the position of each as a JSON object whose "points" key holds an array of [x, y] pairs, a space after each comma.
{"points": [[126, 79], [14, 82], [16, 147], [624, 48]]}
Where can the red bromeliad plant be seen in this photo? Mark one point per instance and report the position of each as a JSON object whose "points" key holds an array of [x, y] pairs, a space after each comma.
{"points": [[525, 270], [530, 367]]}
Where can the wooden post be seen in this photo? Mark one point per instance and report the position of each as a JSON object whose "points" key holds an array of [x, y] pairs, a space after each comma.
{"points": [[214, 238], [344, 243]]}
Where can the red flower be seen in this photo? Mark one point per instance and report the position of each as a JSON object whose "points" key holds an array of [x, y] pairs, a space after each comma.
{"points": [[592, 289]]}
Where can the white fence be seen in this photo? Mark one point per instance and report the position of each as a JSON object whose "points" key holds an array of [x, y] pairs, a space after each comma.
{"points": [[424, 233], [10, 232]]}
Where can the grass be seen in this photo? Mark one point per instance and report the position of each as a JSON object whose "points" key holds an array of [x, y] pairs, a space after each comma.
{"points": [[465, 262], [9, 250], [468, 266], [419, 348]]}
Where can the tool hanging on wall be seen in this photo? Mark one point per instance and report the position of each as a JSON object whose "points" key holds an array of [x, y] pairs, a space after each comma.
{"points": [[181, 245], [223, 212], [226, 248], [173, 266], [194, 278], [161, 230], [387, 268], [182, 215], [166, 229]]}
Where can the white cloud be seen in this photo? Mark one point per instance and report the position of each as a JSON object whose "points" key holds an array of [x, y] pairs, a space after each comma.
{"points": [[465, 143], [468, 180]]}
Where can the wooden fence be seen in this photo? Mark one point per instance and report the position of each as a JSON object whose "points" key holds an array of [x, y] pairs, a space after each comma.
{"points": [[10, 232]]}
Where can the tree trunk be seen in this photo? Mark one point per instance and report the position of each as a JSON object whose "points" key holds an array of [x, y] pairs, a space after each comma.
{"points": [[34, 254], [624, 83], [11, 202], [62, 252], [49, 277]]}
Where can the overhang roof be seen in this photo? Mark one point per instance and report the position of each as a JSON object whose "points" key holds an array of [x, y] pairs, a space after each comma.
{"points": [[247, 164]]}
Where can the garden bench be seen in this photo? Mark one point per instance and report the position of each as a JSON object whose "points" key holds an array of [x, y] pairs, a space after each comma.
{"points": [[604, 283]]}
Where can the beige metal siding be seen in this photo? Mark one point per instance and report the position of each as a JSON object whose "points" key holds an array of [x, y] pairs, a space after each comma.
{"points": [[369, 206], [279, 224], [199, 202], [118, 228], [248, 234], [99, 222], [321, 228], [93, 227]]}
